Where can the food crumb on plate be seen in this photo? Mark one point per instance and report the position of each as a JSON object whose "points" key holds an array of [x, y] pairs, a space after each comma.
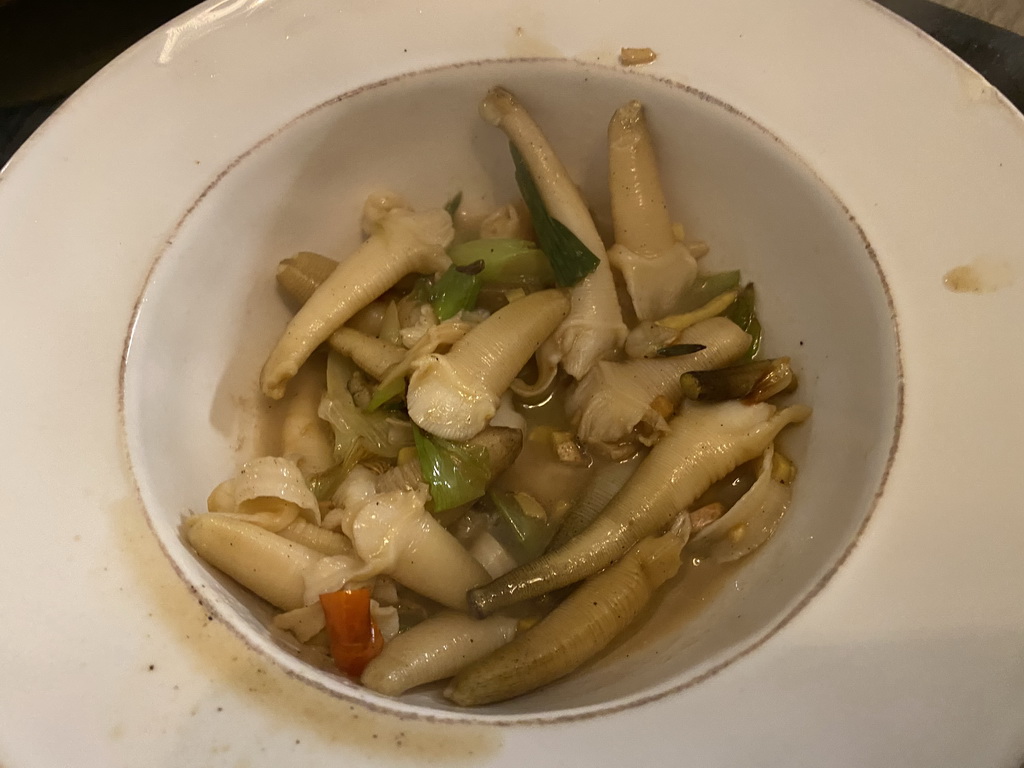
{"points": [[631, 57], [981, 275]]}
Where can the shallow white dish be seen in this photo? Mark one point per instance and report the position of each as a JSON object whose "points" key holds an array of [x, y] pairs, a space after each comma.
{"points": [[909, 655]]}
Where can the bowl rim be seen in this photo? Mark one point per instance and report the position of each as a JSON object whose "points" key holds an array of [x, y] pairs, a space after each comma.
{"points": [[893, 621]]}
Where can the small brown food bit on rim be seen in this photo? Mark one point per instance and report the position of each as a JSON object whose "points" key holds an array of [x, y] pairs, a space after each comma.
{"points": [[630, 57]]}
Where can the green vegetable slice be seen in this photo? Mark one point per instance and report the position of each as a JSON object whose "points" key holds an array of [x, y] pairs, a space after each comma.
{"points": [[324, 484], [452, 206], [743, 313], [570, 259], [386, 393], [456, 473], [523, 535], [754, 329], [752, 382], [506, 261], [707, 287], [674, 350], [421, 289], [456, 290]]}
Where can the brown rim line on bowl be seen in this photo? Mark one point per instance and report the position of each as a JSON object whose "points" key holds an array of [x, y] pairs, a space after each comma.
{"points": [[822, 297]]}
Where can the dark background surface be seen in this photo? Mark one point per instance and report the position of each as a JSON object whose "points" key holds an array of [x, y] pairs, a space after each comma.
{"points": [[48, 48]]}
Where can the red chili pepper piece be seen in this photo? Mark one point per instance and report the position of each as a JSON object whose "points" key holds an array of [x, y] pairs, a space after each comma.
{"points": [[355, 637]]}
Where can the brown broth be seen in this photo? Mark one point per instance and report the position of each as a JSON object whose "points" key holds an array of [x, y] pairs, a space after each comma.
{"points": [[537, 471]]}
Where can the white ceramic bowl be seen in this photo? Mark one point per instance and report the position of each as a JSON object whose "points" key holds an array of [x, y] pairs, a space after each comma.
{"points": [[211, 312], [218, 144]]}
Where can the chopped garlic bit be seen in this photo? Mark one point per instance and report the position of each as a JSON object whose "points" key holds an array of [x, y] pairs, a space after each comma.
{"points": [[663, 406], [361, 389], [698, 249], [566, 448], [514, 294], [406, 454], [527, 622], [736, 534], [530, 506]]}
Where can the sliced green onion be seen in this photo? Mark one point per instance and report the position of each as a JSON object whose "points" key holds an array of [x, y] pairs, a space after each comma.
{"points": [[324, 484], [456, 473], [506, 261], [570, 259], [752, 382], [754, 329], [520, 525], [456, 290], [707, 287], [674, 350], [452, 206], [743, 313], [780, 378], [386, 393], [421, 289]]}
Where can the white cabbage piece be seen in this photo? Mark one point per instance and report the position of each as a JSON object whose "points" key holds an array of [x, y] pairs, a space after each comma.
{"points": [[270, 492], [753, 519]]}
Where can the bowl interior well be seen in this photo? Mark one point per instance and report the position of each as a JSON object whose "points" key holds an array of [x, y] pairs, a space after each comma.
{"points": [[211, 312]]}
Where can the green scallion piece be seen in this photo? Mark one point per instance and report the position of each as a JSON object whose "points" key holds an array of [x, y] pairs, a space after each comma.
{"points": [[570, 259], [456, 290], [392, 391], [751, 382], [755, 331], [507, 261], [744, 314], [456, 473], [421, 289], [674, 350], [452, 206], [324, 484], [707, 287], [523, 536]]}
